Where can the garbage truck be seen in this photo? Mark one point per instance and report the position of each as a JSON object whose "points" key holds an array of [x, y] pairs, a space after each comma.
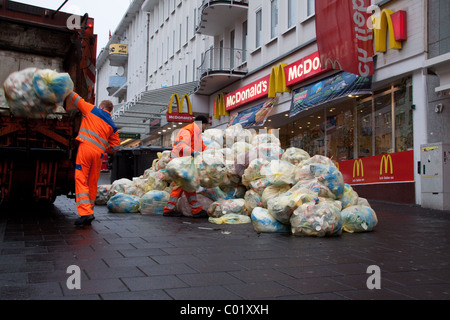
{"points": [[37, 155]]}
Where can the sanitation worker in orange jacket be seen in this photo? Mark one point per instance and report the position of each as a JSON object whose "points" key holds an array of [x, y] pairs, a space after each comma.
{"points": [[98, 135], [189, 142]]}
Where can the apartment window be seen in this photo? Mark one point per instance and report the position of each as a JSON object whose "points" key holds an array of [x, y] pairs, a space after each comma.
{"points": [[179, 40], [186, 74], [193, 70], [195, 21], [244, 40], [273, 18], [173, 42], [187, 29], [232, 53], [292, 13], [258, 28], [311, 9]]}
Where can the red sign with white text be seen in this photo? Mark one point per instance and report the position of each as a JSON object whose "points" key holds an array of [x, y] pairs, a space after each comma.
{"points": [[387, 168], [344, 39], [254, 91], [303, 69]]}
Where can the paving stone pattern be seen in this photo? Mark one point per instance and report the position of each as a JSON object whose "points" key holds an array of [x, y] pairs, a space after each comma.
{"points": [[135, 257]]}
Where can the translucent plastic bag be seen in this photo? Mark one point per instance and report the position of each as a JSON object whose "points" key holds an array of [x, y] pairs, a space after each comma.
{"points": [[318, 218], [124, 203], [230, 218], [223, 207], [34, 93], [279, 173], [266, 151], [184, 173], [282, 207], [51, 86], [163, 160], [295, 155], [252, 200], [153, 202], [211, 144], [264, 222], [254, 171], [359, 219], [211, 170], [102, 195], [349, 197], [259, 185], [235, 134], [272, 192], [316, 186], [120, 186], [216, 135], [265, 138]]}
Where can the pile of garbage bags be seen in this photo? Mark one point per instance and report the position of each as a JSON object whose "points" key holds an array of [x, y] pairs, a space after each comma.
{"points": [[35, 93], [248, 178]]}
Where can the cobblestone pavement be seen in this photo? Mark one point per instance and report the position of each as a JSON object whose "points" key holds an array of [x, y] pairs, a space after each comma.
{"points": [[135, 257]]}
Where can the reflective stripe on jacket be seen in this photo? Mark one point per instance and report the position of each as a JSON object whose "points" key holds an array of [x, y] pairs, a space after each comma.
{"points": [[97, 128]]}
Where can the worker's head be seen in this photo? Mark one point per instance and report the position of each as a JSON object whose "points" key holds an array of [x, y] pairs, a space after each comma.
{"points": [[107, 105], [203, 120]]}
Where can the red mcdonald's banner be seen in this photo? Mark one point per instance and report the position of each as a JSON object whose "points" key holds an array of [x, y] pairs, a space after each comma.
{"points": [[387, 168], [344, 39]]}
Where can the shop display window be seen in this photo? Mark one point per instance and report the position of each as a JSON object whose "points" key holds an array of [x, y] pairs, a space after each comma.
{"points": [[383, 124], [403, 119], [365, 132], [340, 131], [359, 127]]}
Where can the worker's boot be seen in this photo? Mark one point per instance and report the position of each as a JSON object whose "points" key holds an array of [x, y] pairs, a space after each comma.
{"points": [[85, 220], [201, 215], [175, 214]]}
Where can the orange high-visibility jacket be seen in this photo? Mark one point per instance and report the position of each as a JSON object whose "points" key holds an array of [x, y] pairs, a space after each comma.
{"points": [[188, 141], [97, 128]]}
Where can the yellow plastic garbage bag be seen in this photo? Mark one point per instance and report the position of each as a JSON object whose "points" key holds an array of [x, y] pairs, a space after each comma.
{"points": [[231, 218]]}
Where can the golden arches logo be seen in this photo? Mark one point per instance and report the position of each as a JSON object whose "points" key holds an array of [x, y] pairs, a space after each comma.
{"points": [[358, 168], [277, 83], [383, 23], [219, 107], [176, 99], [386, 162], [335, 65]]}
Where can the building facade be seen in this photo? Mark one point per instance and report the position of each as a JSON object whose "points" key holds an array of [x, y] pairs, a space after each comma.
{"points": [[241, 55]]}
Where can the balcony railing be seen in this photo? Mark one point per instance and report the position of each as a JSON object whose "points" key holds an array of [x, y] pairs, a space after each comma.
{"points": [[228, 63], [222, 60], [216, 15]]}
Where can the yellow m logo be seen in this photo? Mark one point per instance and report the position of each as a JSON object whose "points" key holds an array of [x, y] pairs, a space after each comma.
{"points": [[220, 109], [358, 168], [176, 99], [385, 162], [277, 83], [382, 24]]}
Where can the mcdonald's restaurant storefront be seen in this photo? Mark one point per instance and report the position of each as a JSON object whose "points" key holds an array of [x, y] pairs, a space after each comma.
{"points": [[368, 133]]}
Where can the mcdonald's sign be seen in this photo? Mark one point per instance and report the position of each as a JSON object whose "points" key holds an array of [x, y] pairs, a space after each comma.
{"points": [[358, 169], [304, 69], [395, 23], [277, 83], [388, 168], [219, 107], [177, 115], [386, 163]]}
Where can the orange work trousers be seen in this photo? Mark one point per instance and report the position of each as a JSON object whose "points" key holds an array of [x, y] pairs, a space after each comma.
{"points": [[87, 173], [176, 194]]}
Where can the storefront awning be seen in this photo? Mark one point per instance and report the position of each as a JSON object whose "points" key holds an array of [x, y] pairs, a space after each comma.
{"points": [[136, 114], [329, 89]]}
